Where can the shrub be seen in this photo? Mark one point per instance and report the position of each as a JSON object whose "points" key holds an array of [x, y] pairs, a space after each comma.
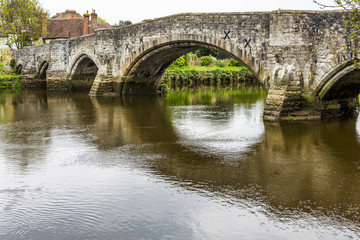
{"points": [[1, 67], [182, 61], [12, 63], [221, 64], [235, 63], [205, 61], [205, 52]]}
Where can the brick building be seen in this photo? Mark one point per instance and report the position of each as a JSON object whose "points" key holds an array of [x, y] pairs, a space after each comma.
{"points": [[71, 24]]}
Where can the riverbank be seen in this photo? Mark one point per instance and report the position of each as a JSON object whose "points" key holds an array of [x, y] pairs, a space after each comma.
{"points": [[194, 77], [10, 81]]}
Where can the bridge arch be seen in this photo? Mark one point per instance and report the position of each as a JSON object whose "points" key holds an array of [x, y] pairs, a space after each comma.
{"points": [[339, 90], [18, 68], [42, 69], [146, 65], [83, 72]]}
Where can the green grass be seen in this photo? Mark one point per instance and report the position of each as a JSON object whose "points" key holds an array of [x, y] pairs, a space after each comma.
{"points": [[209, 70]]}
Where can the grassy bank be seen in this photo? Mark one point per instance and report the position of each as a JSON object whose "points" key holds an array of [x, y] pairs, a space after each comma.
{"points": [[197, 77], [10, 81], [207, 70]]}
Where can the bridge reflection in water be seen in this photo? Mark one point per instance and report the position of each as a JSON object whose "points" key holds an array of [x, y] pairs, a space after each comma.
{"points": [[131, 166]]}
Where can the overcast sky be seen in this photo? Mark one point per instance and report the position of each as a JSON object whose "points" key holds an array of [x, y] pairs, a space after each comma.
{"points": [[137, 10]]}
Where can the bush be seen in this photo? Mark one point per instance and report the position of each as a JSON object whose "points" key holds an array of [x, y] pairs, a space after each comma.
{"points": [[12, 63], [1, 67], [235, 63], [205, 52], [221, 63], [205, 61], [8, 81], [182, 61]]}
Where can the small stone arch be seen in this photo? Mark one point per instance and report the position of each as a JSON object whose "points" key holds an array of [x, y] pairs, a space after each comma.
{"points": [[18, 68], [82, 73], [42, 69]]}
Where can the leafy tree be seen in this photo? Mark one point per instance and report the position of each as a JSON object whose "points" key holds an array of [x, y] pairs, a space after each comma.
{"points": [[182, 61], [122, 23], [206, 52], [23, 21]]}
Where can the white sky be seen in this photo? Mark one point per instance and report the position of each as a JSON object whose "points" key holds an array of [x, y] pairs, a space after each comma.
{"points": [[137, 10]]}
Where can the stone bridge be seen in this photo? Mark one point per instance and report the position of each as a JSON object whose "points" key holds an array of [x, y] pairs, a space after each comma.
{"points": [[299, 56]]}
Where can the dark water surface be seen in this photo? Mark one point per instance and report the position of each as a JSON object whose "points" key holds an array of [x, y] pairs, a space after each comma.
{"points": [[192, 166]]}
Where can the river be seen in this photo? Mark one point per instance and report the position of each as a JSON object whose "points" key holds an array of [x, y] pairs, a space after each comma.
{"points": [[195, 165]]}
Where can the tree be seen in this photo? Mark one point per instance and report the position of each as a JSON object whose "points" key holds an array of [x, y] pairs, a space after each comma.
{"points": [[23, 21], [352, 24], [122, 23]]}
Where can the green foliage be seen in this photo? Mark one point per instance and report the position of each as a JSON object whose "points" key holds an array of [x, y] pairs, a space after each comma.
{"points": [[8, 81], [221, 64], [122, 23], [23, 21], [205, 61], [208, 71], [235, 63], [1, 67], [205, 52], [101, 20], [182, 61], [164, 89], [352, 24], [12, 63]]}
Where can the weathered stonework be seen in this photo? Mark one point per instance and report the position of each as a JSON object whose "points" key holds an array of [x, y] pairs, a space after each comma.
{"points": [[299, 55]]}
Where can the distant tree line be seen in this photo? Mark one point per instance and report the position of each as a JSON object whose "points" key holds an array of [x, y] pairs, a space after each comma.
{"points": [[122, 23]]}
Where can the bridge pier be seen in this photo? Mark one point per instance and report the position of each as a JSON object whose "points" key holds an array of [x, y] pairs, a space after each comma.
{"points": [[56, 83], [104, 86]]}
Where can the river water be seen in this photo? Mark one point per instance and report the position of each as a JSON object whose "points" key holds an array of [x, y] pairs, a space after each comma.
{"points": [[199, 165]]}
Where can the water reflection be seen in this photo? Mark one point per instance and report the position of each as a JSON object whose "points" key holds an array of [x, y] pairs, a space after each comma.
{"points": [[358, 129], [193, 166]]}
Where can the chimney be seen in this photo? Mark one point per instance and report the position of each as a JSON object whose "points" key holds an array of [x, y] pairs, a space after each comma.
{"points": [[93, 17], [86, 29]]}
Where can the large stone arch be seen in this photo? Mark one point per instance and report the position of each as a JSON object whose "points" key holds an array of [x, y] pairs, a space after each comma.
{"points": [[83, 71], [143, 68], [338, 91]]}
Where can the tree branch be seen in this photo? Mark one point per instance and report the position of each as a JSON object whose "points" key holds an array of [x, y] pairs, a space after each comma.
{"points": [[323, 6]]}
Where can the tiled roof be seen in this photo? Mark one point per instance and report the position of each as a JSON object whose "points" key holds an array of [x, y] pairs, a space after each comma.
{"points": [[70, 24], [66, 28], [94, 27]]}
